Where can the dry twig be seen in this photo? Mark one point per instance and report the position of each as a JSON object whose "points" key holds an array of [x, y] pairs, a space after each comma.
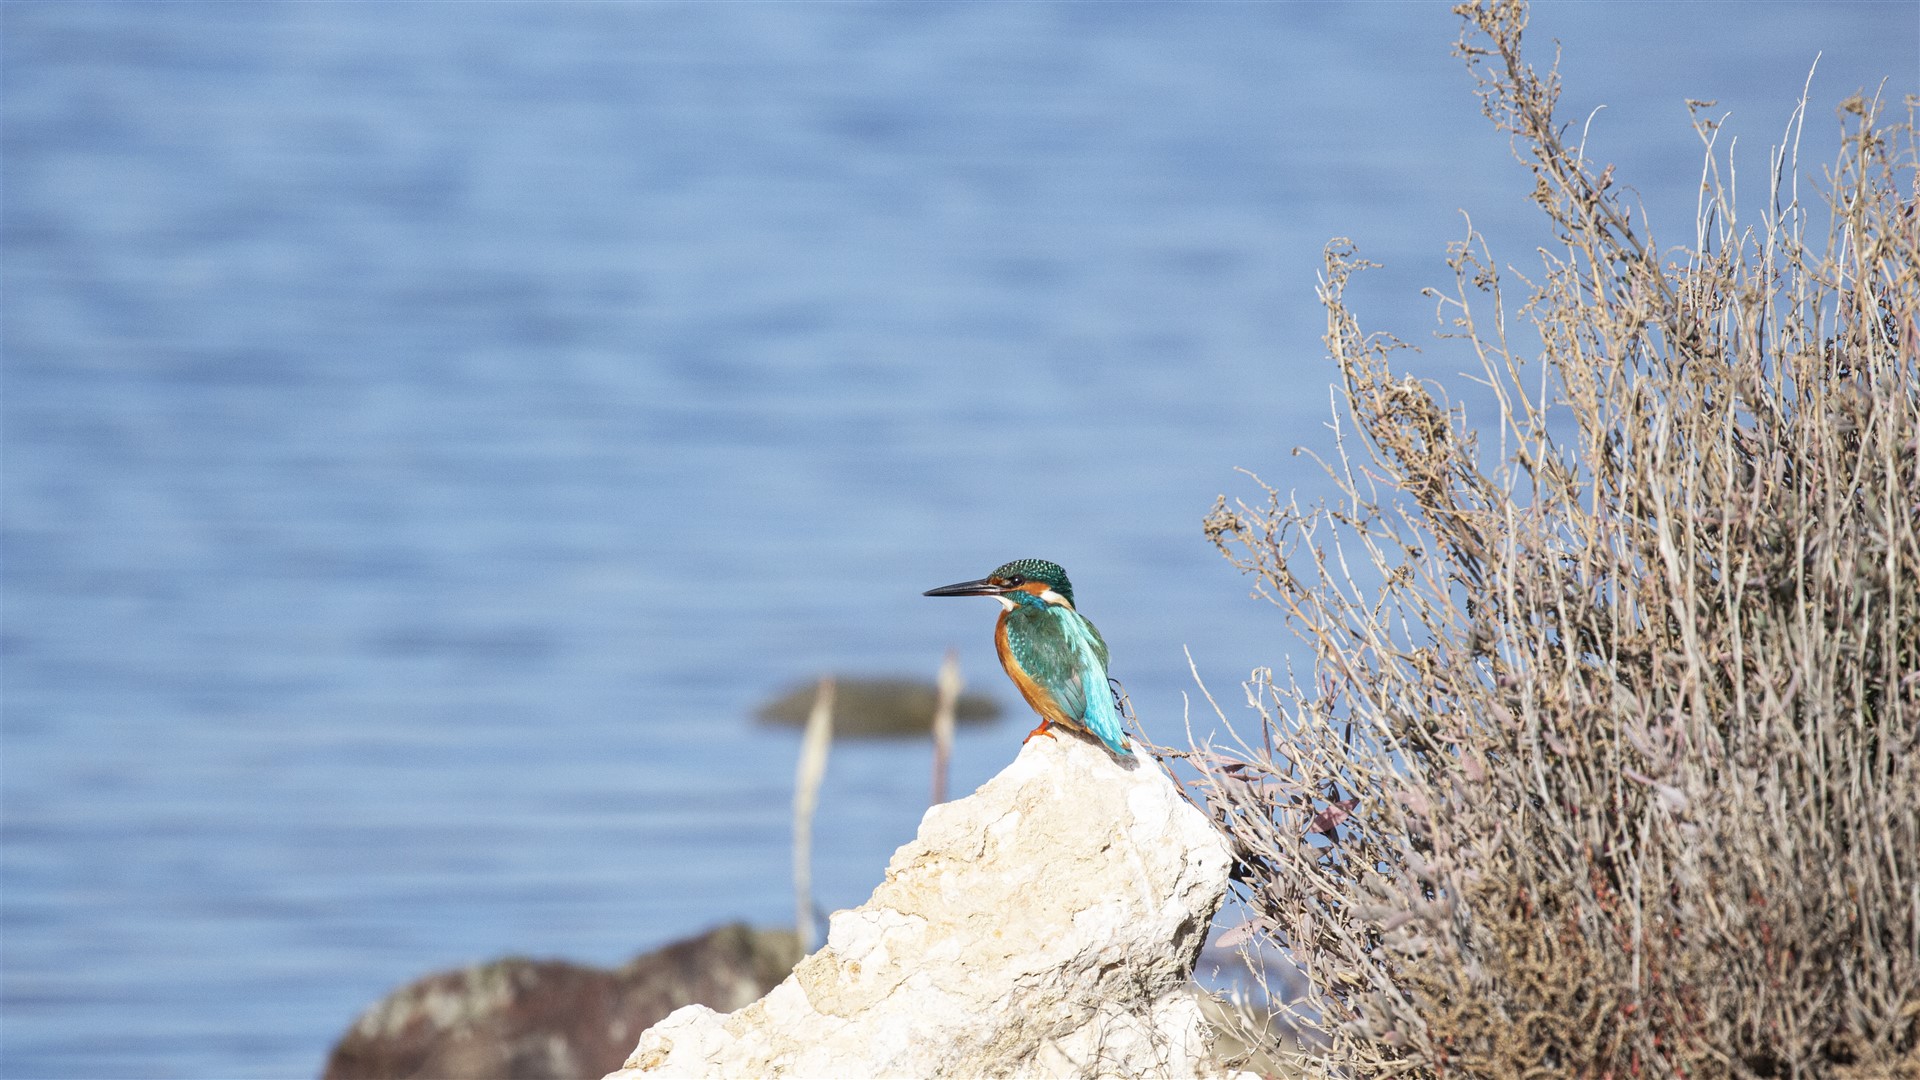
{"points": [[1611, 761]]}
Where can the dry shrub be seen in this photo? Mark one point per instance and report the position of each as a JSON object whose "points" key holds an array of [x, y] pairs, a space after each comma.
{"points": [[1610, 762]]}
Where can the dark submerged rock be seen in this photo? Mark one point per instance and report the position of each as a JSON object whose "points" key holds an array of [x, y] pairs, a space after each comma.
{"points": [[538, 1019], [876, 707]]}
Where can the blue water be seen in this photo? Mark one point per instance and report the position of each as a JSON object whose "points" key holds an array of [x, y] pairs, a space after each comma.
{"points": [[429, 429]]}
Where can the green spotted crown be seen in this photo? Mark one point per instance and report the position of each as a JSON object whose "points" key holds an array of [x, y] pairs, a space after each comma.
{"points": [[1040, 570]]}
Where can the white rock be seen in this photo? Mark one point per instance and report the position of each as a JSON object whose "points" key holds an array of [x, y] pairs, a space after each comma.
{"points": [[1046, 925]]}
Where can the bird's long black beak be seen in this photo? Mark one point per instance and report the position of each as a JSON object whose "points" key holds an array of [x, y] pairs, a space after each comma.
{"points": [[982, 587]]}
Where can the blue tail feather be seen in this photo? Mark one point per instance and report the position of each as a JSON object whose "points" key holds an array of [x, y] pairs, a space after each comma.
{"points": [[1103, 719]]}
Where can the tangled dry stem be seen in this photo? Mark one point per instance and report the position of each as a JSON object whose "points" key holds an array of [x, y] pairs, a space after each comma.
{"points": [[1610, 763]]}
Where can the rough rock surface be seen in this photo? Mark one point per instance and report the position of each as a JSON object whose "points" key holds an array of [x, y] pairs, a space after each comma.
{"points": [[534, 1019], [1046, 925]]}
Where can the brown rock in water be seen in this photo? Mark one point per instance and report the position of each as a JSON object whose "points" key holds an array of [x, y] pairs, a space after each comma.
{"points": [[536, 1019], [867, 707]]}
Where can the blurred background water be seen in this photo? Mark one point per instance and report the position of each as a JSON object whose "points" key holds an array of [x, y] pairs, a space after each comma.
{"points": [[429, 429]]}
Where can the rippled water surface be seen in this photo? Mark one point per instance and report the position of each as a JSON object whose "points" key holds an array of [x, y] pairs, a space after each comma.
{"points": [[429, 429]]}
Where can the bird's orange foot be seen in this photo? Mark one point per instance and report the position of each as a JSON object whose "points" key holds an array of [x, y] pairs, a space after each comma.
{"points": [[1041, 730]]}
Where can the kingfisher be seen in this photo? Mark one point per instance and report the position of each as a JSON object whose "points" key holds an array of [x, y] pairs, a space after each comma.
{"points": [[1050, 650]]}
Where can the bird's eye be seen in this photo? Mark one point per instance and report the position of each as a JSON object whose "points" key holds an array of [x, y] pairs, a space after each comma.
{"points": [[1016, 581]]}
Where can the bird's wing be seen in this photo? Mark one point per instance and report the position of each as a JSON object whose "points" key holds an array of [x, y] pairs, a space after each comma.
{"points": [[1048, 655], [1094, 699]]}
